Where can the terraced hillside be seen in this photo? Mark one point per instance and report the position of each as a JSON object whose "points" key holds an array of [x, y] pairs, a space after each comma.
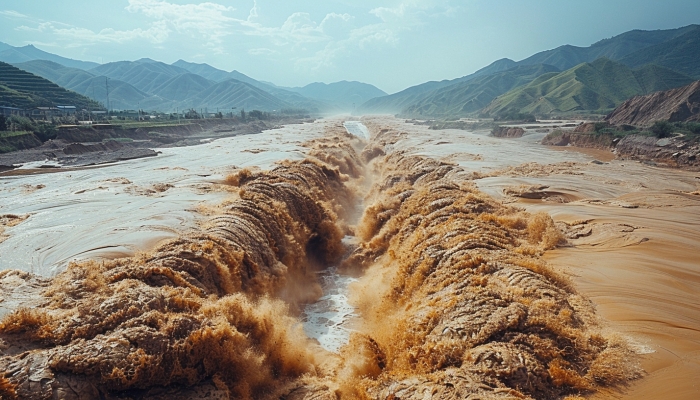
{"points": [[599, 86], [22, 89]]}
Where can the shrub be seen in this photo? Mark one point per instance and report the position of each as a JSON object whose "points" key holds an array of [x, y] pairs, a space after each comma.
{"points": [[17, 123], [46, 132], [515, 116], [662, 129]]}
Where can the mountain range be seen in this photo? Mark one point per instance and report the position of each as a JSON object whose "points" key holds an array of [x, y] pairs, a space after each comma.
{"points": [[675, 49], [565, 79], [598, 86], [152, 85]]}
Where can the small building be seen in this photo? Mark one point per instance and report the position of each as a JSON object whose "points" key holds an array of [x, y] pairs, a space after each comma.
{"points": [[45, 112], [67, 110], [8, 111]]}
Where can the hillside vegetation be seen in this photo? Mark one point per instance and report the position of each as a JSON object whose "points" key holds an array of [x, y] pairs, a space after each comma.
{"points": [[675, 49], [599, 86], [681, 54], [471, 96], [397, 102], [22, 89]]}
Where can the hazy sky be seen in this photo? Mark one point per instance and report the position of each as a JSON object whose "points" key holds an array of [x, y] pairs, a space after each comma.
{"points": [[392, 44]]}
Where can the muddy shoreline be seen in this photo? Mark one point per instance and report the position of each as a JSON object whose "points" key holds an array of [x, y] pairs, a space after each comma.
{"points": [[81, 147]]}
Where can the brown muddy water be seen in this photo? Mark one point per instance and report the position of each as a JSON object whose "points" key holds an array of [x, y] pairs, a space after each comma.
{"points": [[637, 255], [391, 262]]}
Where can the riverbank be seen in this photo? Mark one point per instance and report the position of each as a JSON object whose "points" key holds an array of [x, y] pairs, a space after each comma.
{"points": [[85, 146]]}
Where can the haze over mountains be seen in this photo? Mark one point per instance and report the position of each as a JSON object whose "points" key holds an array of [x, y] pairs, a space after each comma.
{"points": [[562, 80]]}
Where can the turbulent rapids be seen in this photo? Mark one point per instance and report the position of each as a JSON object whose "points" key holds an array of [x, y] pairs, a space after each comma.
{"points": [[452, 298]]}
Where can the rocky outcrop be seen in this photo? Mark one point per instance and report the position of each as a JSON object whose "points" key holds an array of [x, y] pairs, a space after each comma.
{"points": [[578, 139], [674, 152], [507, 132], [681, 104]]}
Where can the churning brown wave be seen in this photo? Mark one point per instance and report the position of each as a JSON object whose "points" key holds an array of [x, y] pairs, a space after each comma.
{"points": [[454, 299]]}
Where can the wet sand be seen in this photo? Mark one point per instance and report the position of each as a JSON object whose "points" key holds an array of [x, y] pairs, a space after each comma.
{"points": [[640, 263]]}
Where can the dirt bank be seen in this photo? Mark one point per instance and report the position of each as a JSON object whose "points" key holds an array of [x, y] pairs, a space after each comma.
{"points": [[507, 132], [579, 139], [677, 152], [83, 146]]}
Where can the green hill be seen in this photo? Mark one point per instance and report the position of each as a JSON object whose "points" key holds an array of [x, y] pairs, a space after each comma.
{"points": [[203, 70], [232, 93], [599, 86], [122, 96], [144, 74], [25, 90], [344, 95], [468, 97], [13, 55], [182, 87], [395, 103], [681, 54], [614, 48]]}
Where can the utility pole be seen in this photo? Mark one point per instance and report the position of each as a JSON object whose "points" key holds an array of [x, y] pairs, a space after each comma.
{"points": [[107, 87]]}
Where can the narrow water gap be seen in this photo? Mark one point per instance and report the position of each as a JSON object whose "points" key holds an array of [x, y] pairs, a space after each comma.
{"points": [[328, 319]]}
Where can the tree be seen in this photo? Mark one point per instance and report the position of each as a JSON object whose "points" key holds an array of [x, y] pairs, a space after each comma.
{"points": [[257, 114], [46, 132], [662, 129], [191, 114], [243, 115], [3, 124]]}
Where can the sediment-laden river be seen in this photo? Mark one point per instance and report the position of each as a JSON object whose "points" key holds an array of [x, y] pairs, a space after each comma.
{"points": [[632, 231]]}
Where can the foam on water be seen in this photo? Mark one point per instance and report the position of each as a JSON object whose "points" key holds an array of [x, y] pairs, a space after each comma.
{"points": [[326, 319], [357, 128]]}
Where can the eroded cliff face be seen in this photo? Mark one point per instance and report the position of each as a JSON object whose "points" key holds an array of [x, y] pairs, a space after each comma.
{"points": [[454, 298], [579, 139], [681, 104], [507, 132], [673, 152]]}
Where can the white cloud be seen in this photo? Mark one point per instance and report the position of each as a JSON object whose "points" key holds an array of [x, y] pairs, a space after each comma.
{"points": [[262, 52], [12, 13], [207, 20], [306, 42], [73, 36]]}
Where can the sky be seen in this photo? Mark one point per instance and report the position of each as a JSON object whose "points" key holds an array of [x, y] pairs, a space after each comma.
{"points": [[392, 44]]}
